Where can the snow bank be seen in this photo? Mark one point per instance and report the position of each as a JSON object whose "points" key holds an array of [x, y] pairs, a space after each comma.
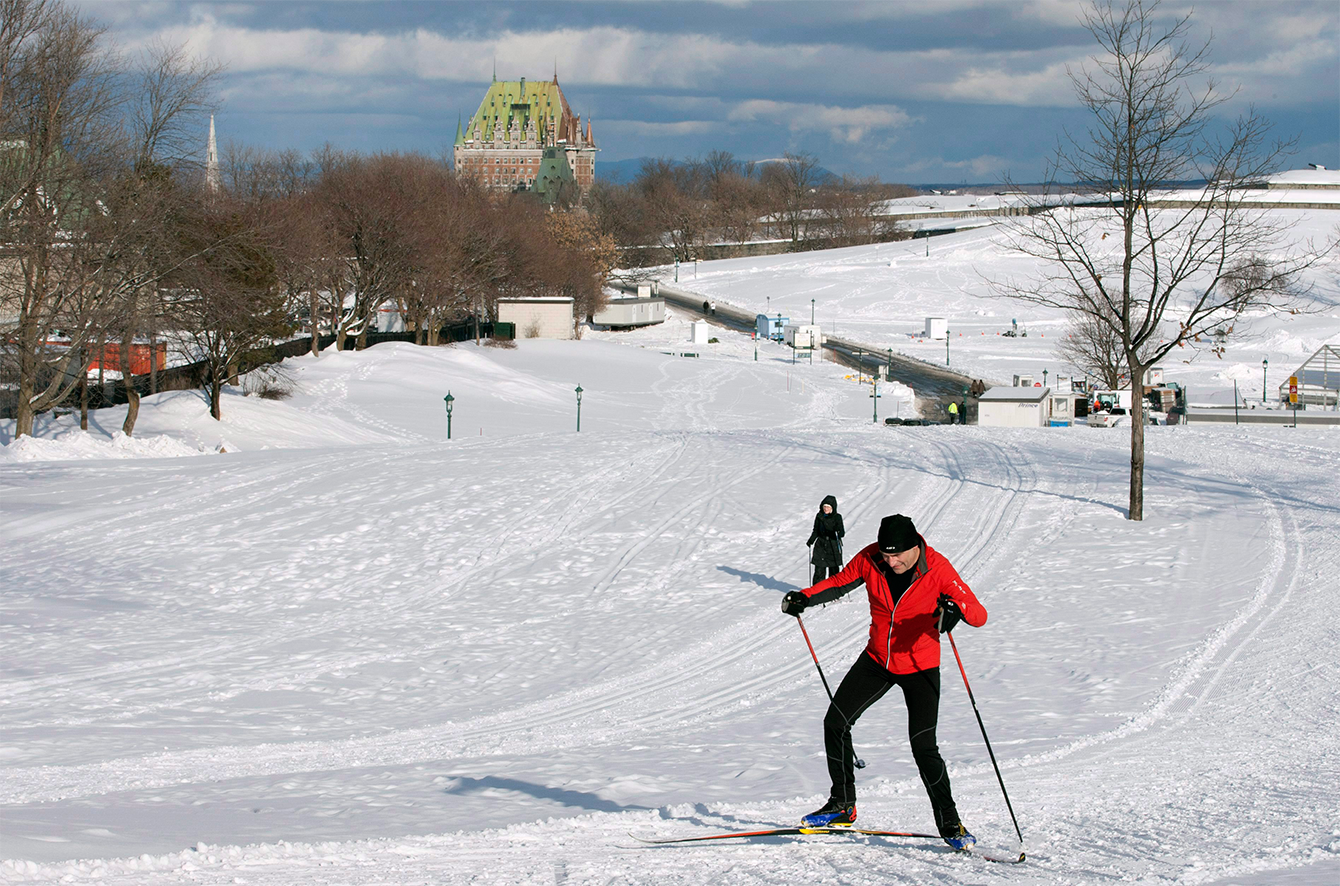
{"points": [[74, 445]]}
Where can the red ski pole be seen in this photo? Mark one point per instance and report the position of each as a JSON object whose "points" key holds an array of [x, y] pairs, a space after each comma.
{"points": [[860, 764], [992, 753]]}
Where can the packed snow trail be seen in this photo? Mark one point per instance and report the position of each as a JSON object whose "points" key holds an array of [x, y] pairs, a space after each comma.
{"points": [[488, 661]]}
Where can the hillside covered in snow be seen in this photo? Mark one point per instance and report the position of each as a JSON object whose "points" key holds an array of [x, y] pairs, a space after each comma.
{"points": [[345, 650]]}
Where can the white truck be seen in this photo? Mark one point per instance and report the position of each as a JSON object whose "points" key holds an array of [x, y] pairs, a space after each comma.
{"points": [[1109, 408]]}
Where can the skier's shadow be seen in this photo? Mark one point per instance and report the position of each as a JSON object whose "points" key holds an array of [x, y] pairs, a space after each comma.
{"points": [[580, 799], [762, 581]]}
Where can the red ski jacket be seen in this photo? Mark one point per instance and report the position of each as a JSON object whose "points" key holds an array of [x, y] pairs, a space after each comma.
{"points": [[903, 633]]}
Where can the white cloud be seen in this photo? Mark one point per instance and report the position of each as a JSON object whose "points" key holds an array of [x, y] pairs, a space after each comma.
{"points": [[843, 124], [1027, 85], [647, 128]]}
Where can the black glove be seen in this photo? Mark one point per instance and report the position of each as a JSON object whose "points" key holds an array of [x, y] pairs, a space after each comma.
{"points": [[794, 603], [950, 615]]}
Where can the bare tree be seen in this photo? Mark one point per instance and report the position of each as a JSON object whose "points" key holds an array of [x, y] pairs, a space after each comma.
{"points": [[847, 212], [1093, 348], [584, 258], [791, 184], [1157, 274], [170, 94], [675, 203], [226, 295], [59, 145]]}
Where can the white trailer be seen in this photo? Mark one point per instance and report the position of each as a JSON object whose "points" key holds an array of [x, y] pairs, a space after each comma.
{"points": [[626, 313], [1011, 407], [802, 337]]}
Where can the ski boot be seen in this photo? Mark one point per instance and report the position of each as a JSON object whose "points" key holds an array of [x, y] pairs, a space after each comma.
{"points": [[833, 814], [957, 835]]}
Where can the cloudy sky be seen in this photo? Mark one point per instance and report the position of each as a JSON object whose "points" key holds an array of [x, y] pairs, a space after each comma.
{"points": [[927, 91]]}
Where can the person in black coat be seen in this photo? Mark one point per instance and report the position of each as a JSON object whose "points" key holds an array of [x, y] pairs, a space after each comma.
{"points": [[826, 540]]}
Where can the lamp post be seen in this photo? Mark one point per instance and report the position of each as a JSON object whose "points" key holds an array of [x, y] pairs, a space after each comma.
{"points": [[874, 396], [579, 409], [1264, 363], [449, 400], [811, 312], [947, 346]]}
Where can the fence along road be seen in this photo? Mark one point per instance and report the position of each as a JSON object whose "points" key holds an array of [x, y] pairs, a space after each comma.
{"points": [[935, 386]]}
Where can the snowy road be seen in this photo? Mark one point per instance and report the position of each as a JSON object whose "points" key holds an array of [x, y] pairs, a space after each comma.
{"points": [[488, 661]]}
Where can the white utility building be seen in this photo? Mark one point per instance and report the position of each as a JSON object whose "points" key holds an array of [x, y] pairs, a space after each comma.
{"points": [[699, 332], [1009, 407], [804, 337], [937, 328], [537, 317], [626, 313]]}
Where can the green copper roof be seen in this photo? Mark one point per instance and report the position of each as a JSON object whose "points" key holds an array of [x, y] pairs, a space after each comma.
{"points": [[521, 101]]}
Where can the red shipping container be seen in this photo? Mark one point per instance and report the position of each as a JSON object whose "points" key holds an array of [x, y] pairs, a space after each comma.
{"points": [[140, 355]]}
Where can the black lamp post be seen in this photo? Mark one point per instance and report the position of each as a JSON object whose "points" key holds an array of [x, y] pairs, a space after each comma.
{"points": [[579, 409], [449, 400], [811, 312], [874, 397], [1264, 364], [946, 346]]}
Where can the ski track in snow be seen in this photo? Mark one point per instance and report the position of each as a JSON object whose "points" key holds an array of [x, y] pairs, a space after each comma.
{"points": [[455, 627]]}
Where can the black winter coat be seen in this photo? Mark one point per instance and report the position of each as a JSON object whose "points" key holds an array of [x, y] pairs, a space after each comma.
{"points": [[827, 536]]}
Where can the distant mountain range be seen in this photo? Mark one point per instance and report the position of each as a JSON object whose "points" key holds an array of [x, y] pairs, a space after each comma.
{"points": [[624, 171]]}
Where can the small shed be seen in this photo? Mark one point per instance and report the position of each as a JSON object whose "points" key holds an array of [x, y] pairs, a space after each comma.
{"points": [[549, 317], [1011, 407], [699, 332], [626, 313], [802, 337], [1062, 409], [771, 327], [937, 328]]}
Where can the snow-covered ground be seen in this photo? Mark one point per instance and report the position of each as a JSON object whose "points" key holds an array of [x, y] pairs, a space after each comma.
{"points": [[881, 295], [344, 650]]}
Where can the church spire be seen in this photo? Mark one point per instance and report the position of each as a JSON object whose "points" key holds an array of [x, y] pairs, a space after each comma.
{"points": [[212, 160]]}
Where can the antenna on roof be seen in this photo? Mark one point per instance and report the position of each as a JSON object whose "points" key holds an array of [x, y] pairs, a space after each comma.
{"points": [[495, 69], [555, 69]]}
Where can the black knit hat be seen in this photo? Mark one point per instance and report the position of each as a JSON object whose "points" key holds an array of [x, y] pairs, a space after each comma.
{"points": [[897, 534]]}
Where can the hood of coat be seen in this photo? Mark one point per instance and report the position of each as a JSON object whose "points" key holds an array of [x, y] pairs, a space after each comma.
{"points": [[829, 500]]}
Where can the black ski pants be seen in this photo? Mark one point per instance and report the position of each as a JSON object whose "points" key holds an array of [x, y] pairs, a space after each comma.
{"points": [[864, 685], [824, 570]]}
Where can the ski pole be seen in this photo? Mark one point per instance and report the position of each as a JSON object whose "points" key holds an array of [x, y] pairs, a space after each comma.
{"points": [[860, 764], [980, 725]]}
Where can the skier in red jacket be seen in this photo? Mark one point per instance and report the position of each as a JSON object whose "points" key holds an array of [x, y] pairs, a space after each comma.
{"points": [[915, 595]]}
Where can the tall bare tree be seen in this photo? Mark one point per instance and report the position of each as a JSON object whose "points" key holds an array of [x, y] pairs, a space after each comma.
{"points": [[1093, 348], [60, 140], [791, 184], [170, 94], [1157, 274]]}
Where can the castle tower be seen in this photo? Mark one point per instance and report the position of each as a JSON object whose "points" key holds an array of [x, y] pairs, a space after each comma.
{"points": [[504, 142]]}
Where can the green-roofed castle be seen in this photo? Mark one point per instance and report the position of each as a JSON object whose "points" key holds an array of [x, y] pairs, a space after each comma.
{"points": [[503, 144]]}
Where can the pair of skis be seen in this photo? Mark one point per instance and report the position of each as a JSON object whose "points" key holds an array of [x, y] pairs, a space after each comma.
{"points": [[989, 853]]}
